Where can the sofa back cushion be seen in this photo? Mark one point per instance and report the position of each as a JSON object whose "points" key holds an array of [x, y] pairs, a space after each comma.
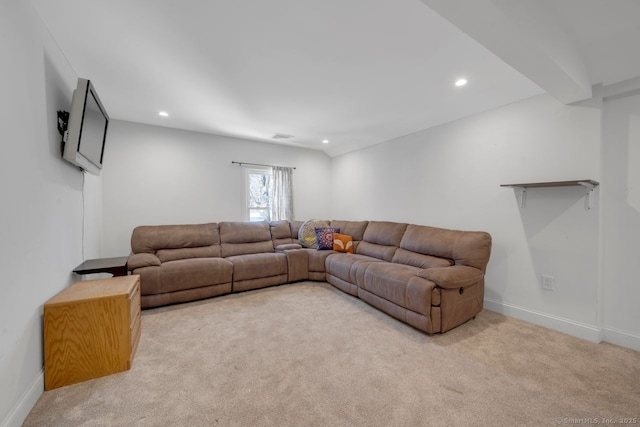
{"points": [[241, 238], [281, 233], [470, 248], [415, 259], [295, 229], [355, 229], [381, 239], [153, 238]]}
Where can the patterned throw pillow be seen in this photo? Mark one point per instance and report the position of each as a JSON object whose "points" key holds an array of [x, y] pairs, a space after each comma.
{"points": [[342, 243], [324, 235], [307, 233]]}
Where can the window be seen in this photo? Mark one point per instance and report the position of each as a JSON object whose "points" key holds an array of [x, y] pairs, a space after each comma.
{"points": [[259, 188], [269, 194]]}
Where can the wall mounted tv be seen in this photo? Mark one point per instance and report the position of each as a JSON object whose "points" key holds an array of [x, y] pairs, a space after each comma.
{"points": [[85, 131]]}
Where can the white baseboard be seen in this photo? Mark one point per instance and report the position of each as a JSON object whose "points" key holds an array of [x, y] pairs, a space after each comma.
{"points": [[621, 338], [19, 413], [567, 326]]}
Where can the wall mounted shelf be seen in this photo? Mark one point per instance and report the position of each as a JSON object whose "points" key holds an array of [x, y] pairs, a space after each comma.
{"points": [[589, 184]]}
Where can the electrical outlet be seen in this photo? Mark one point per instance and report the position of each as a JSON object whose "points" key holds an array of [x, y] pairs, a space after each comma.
{"points": [[547, 282]]}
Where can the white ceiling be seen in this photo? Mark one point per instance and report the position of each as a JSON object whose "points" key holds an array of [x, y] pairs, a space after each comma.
{"points": [[355, 72]]}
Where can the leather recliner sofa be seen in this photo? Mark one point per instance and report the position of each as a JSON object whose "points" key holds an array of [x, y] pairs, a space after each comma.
{"points": [[428, 277]]}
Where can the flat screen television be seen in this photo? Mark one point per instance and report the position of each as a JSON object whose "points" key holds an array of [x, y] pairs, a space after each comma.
{"points": [[86, 129]]}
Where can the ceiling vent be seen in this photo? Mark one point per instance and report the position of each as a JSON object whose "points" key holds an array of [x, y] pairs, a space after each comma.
{"points": [[281, 136]]}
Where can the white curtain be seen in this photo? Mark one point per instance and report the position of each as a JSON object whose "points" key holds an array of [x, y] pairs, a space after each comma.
{"points": [[282, 201]]}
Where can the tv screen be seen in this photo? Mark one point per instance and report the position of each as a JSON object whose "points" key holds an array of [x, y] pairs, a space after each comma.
{"points": [[86, 129]]}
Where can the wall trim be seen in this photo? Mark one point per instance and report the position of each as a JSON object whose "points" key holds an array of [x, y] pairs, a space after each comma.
{"points": [[19, 413], [621, 338], [560, 324]]}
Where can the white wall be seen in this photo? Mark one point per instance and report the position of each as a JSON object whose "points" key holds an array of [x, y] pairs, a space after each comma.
{"points": [[41, 217], [155, 175], [621, 220], [92, 212], [450, 176]]}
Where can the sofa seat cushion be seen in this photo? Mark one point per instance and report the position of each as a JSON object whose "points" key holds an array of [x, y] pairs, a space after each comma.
{"points": [[400, 285], [253, 266], [347, 266], [191, 273], [165, 255], [287, 247]]}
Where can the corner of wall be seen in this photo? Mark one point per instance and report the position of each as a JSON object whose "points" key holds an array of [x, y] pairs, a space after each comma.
{"points": [[27, 401]]}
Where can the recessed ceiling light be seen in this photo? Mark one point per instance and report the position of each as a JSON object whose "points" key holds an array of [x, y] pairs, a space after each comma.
{"points": [[325, 141], [461, 82], [163, 114]]}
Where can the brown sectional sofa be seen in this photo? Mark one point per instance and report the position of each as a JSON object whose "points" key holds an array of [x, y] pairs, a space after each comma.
{"points": [[430, 278]]}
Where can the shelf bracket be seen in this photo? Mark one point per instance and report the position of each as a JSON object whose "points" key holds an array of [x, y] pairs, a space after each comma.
{"points": [[523, 194], [587, 197]]}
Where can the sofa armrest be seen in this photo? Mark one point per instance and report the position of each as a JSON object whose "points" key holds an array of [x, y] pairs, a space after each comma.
{"points": [[456, 276], [142, 260], [287, 247]]}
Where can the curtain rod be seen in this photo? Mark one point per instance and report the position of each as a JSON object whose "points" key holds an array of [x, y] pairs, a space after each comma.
{"points": [[256, 164]]}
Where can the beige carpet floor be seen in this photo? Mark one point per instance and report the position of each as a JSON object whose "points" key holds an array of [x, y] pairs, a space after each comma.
{"points": [[309, 355]]}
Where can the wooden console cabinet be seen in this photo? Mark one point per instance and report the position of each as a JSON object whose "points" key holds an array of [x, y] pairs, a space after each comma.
{"points": [[91, 329]]}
